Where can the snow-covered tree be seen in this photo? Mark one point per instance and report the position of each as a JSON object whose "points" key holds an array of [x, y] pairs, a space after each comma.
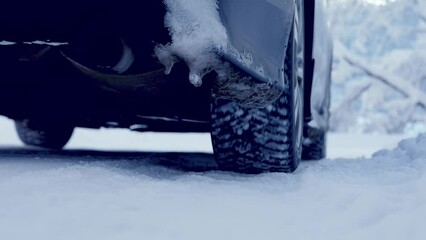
{"points": [[379, 70]]}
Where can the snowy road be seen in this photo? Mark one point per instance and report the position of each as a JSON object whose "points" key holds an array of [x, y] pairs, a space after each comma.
{"points": [[140, 191]]}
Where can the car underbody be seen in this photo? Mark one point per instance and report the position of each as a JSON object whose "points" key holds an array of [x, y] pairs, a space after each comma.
{"points": [[162, 67], [38, 79]]}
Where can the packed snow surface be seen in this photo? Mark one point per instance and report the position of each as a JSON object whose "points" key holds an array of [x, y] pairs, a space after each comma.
{"points": [[197, 37], [132, 195]]}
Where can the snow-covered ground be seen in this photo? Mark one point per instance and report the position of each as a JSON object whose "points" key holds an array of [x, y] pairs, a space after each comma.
{"points": [[133, 195]]}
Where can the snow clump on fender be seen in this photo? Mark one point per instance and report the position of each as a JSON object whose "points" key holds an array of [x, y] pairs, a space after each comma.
{"points": [[198, 37]]}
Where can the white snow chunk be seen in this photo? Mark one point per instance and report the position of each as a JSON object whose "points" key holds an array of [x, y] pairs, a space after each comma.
{"points": [[6, 43], [198, 36], [39, 42]]}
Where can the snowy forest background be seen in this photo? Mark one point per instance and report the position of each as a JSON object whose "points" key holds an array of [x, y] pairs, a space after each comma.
{"points": [[379, 70]]}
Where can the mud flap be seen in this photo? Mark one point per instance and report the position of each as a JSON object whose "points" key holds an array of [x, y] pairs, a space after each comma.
{"points": [[258, 32]]}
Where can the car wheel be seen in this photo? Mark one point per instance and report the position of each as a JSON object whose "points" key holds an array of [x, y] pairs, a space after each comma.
{"points": [[315, 138], [42, 134], [314, 143], [269, 139]]}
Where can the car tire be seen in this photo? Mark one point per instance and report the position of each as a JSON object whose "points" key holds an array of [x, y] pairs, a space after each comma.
{"points": [[314, 138], [42, 134], [314, 143], [256, 140]]}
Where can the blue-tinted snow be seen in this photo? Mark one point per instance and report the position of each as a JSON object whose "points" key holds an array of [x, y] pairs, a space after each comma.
{"points": [[97, 195]]}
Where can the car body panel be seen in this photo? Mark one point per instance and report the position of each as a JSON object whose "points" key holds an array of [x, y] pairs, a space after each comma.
{"points": [[258, 32], [322, 54]]}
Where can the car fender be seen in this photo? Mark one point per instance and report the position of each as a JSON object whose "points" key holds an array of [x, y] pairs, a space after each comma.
{"points": [[258, 32]]}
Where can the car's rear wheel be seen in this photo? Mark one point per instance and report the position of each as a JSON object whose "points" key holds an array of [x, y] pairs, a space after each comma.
{"points": [[269, 139], [314, 144], [52, 135], [315, 138]]}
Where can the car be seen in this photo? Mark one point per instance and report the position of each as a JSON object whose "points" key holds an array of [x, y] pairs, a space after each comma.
{"points": [[255, 74]]}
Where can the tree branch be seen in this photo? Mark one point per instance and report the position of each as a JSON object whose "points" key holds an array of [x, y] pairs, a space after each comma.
{"points": [[403, 87]]}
